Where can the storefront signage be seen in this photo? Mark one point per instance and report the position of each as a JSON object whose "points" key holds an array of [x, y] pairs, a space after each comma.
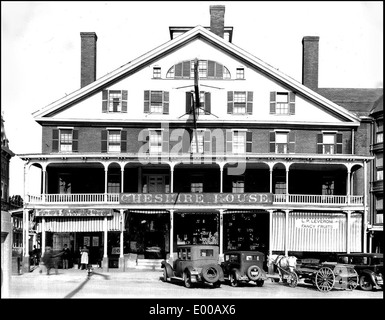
{"points": [[196, 198], [73, 212], [317, 223]]}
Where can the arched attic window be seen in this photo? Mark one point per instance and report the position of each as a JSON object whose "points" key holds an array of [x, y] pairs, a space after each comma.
{"points": [[206, 68]]}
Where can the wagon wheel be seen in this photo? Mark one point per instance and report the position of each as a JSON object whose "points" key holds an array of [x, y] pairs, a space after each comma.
{"points": [[324, 279], [353, 281], [292, 279]]}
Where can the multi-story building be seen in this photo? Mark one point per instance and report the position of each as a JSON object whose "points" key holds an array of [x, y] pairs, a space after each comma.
{"points": [[6, 220], [134, 163]]}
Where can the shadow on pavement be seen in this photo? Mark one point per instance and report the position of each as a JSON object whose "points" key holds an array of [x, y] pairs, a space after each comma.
{"points": [[88, 278]]}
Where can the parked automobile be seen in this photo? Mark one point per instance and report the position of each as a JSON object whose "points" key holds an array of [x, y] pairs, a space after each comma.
{"points": [[195, 263], [369, 267], [244, 266]]}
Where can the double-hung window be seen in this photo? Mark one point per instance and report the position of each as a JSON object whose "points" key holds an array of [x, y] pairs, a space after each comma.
{"points": [[200, 134], [196, 184], [240, 102], [238, 141], [240, 74], [114, 140], [156, 101], [155, 141], [282, 141], [282, 103], [204, 102], [156, 72], [238, 185], [379, 166], [114, 101], [64, 140], [379, 131], [329, 143]]}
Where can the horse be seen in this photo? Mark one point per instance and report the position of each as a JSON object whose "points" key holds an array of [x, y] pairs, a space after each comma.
{"points": [[282, 262]]}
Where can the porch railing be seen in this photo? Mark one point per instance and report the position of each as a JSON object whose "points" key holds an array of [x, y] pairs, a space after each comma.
{"points": [[113, 198]]}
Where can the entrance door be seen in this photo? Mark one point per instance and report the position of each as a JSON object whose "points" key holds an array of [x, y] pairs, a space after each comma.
{"points": [[156, 184]]}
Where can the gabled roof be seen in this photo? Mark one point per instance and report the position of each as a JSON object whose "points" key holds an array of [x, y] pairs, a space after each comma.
{"points": [[198, 32], [378, 106], [356, 100]]}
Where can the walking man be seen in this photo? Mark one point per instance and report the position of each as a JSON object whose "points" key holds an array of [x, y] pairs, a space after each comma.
{"points": [[66, 254]]}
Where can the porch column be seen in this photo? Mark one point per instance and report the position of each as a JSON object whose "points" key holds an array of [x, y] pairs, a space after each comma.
{"points": [[44, 182], [26, 241], [271, 180], [221, 178], [287, 184], [365, 216], [348, 214], [105, 258], [271, 266], [286, 232], [171, 178], [122, 179], [42, 236], [348, 185], [121, 256], [172, 257], [221, 257], [105, 183]]}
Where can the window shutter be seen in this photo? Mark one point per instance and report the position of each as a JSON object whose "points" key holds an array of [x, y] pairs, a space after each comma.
{"points": [[230, 102], [104, 101], [272, 141], [189, 102], [186, 142], [124, 100], [146, 101], [291, 142], [249, 141], [291, 103], [218, 71], [178, 70], [207, 141], [249, 106], [166, 102], [123, 141], [104, 140], [211, 69], [186, 69], [75, 140], [165, 141], [229, 141], [55, 140], [319, 143], [207, 102], [339, 143], [272, 102]]}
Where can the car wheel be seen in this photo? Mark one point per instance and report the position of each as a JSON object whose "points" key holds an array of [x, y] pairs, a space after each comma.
{"points": [[260, 283], [165, 275], [210, 273], [254, 272], [365, 283], [233, 280], [187, 279]]}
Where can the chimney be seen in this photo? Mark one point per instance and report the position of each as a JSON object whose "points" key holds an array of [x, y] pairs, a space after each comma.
{"points": [[217, 20], [310, 62], [88, 58]]}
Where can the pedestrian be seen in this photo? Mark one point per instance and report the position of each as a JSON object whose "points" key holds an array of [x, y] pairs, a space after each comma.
{"points": [[35, 256], [84, 258], [48, 260], [66, 255]]}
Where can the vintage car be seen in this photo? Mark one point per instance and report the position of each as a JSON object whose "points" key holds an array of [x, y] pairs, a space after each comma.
{"points": [[195, 263], [244, 266], [369, 267]]}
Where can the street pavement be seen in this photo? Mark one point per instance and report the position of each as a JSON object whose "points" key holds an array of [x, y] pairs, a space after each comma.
{"points": [[140, 283]]}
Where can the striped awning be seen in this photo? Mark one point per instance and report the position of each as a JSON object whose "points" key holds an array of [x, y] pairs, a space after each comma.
{"points": [[148, 211], [80, 224], [244, 211]]}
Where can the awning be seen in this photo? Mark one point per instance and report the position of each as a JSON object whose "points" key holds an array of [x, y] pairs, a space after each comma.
{"points": [[148, 211]]}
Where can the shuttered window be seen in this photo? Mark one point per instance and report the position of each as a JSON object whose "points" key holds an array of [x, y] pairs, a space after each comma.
{"points": [[156, 101], [282, 103], [204, 102], [65, 140], [114, 141], [239, 102], [239, 141], [282, 142], [114, 101], [329, 143]]}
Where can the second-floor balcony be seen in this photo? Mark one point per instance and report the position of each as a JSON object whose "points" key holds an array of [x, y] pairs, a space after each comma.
{"points": [[114, 198]]}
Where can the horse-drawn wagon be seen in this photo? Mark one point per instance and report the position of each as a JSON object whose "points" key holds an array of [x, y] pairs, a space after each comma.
{"points": [[325, 276]]}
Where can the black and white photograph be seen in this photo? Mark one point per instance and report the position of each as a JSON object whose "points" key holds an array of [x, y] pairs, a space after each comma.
{"points": [[201, 157]]}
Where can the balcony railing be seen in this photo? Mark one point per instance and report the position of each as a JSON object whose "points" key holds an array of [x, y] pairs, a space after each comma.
{"points": [[113, 198]]}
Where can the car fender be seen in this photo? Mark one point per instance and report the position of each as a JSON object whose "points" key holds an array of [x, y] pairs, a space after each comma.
{"points": [[169, 269], [237, 273], [371, 274]]}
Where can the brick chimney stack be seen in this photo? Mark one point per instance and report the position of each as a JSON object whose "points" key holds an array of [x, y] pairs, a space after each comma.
{"points": [[88, 58], [217, 20], [310, 62]]}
